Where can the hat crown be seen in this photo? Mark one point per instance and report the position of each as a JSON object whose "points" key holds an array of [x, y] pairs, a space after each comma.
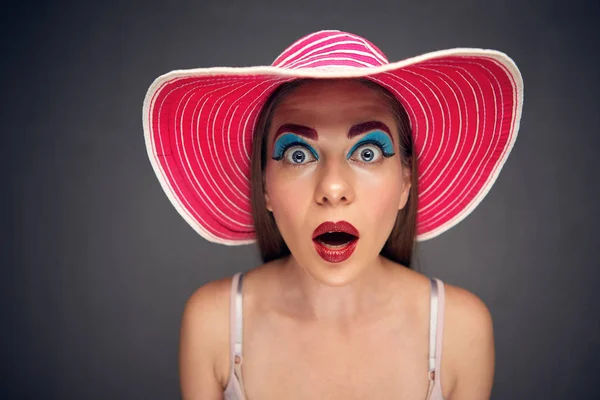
{"points": [[328, 50]]}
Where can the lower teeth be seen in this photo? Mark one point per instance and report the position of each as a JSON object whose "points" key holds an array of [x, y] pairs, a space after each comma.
{"points": [[331, 246]]}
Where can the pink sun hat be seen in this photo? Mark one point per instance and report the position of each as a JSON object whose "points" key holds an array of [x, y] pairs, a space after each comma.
{"points": [[464, 107]]}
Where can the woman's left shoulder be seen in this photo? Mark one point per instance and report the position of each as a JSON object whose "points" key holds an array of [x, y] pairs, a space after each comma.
{"points": [[468, 343], [465, 309]]}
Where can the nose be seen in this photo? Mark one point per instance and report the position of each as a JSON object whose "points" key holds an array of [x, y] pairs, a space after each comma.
{"points": [[334, 186]]}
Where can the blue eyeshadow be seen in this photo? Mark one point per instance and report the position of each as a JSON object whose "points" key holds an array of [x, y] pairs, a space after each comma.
{"points": [[288, 140], [379, 138]]}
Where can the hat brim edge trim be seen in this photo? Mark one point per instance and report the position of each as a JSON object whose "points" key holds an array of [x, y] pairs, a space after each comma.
{"points": [[271, 71], [330, 73], [166, 186], [518, 90]]}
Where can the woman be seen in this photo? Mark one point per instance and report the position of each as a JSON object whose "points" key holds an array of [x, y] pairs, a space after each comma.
{"points": [[335, 161]]}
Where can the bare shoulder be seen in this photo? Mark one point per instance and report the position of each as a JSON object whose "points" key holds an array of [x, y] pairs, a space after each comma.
{"points": [[468, 344], [204, 341], [465, 309], [209, 300], [467, 318]]}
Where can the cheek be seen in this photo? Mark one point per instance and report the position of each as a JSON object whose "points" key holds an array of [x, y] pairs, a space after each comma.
{"points": [[380, 196], [381, 192], [290, 196]]}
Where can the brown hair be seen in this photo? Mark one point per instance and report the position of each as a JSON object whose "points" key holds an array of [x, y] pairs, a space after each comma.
{"points": [[400, 244]]}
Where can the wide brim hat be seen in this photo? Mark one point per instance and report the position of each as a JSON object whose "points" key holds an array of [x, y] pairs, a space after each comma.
{"points": [[464, 107]]}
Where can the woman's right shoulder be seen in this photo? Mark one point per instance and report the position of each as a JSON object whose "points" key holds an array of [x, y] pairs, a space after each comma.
{"points": [[204, 337], [210, 299], [205, 332], [209, 305]]}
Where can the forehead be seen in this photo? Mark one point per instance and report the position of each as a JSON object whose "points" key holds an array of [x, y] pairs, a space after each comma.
{"points": [[333, 100]]}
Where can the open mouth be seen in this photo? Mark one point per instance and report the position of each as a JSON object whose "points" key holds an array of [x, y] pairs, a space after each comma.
{"points": [[335, 240]]}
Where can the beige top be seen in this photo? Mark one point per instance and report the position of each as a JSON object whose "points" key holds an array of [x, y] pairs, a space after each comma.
{"points": [[235, 388]]}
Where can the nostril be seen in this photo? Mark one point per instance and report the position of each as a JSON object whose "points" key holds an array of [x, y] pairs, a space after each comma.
{"points": [[342, 199]]}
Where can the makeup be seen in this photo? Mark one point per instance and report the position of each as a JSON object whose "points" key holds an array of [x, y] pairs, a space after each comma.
{"points": [[378, 138], [288, 140], [363, 127], [299, 130], [335, 241]]}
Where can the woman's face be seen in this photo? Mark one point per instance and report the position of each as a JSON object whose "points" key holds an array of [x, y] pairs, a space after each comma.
{"points": [[333, 155]]}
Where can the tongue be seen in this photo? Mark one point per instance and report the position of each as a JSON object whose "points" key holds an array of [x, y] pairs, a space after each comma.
{"points": [[334, 239]]}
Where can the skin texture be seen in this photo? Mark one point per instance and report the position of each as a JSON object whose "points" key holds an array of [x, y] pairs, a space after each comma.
{"points": [[334, 188], [354, 330]]}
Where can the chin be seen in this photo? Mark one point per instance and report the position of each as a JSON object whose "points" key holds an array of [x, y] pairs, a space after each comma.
{"points": [[335, 270], [334, 274]]}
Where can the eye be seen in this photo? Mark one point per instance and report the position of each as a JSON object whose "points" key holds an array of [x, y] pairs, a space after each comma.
{"points": [[293, 150], [367, 153], [298, 155], [372, 148]]}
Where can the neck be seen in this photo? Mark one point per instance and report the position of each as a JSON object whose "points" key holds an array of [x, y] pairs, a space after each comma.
{"points": [[364, 295]]}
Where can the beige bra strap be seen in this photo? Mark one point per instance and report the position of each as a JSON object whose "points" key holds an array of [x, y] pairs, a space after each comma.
{"points": [[440, 328], [436, 328], [236, 326], [433, 319], [236, 320], [238, 316]]}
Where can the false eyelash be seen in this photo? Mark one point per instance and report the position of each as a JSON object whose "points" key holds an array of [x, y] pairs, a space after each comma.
{"points": [[281, 151], [384, 144], [384, 147]]}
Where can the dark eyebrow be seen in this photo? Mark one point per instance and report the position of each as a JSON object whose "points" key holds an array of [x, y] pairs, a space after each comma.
{"points": [[363, 127], [305, 131]]}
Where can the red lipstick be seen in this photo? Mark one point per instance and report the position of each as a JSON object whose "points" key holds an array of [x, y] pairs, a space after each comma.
{"points": [[335, 241]]}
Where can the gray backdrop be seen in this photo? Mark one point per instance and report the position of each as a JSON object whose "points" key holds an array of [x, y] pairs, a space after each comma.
{"points": [[97, 264]]}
